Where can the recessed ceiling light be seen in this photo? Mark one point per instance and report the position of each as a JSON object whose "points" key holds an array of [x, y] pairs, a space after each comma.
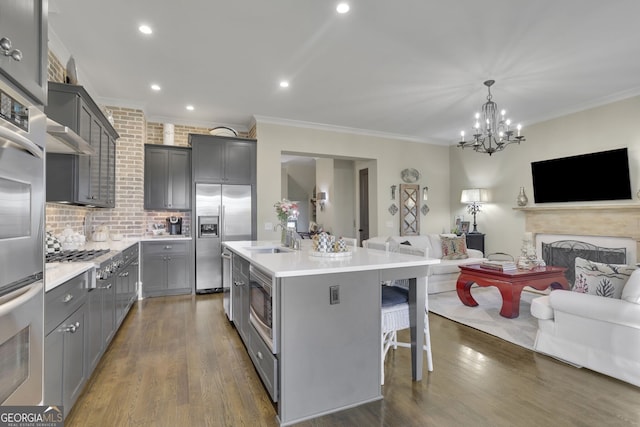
{"points": [[342, 7], [284, 83], [190, 107], [145, 29], [155, 87]]}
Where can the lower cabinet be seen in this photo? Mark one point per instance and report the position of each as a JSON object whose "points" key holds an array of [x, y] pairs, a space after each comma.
{"points": [[94, 315], [127, 283], [240, 294], [66, 365], [81, 317], [166, 268]]}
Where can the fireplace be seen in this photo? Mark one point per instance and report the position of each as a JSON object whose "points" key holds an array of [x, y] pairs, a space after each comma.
{"points": [[561, 250], [607, 230]]}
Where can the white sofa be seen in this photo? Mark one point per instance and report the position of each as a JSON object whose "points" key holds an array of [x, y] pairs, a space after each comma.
{"points": [[602, 334], [443, 276]]}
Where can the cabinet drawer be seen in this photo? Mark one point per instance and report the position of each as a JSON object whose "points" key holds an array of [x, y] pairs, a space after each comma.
{"points": [[130, 253], [61, 302], [166, 247], [265, 362]]}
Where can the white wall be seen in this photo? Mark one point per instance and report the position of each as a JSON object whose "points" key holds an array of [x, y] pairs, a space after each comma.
{"points": [[598, 129], [390, 157]]}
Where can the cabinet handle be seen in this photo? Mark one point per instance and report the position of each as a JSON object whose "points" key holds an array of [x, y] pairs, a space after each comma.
{"points": [[168, 247], [67, 298], [71, 328], [260, 356], [105, 287], [5, 46]]}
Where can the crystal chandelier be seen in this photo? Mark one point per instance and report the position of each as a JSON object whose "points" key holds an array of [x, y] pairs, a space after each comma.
{"points": [[492, 131]]}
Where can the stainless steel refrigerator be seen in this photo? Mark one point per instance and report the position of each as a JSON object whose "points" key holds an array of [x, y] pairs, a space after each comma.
{"points": [[223, 213]]}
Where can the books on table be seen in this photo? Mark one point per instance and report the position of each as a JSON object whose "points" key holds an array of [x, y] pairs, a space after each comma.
{"points": [[500, 265]]}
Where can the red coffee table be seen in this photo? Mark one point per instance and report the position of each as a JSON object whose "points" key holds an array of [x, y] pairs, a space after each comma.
{"points": [[510, 284]]}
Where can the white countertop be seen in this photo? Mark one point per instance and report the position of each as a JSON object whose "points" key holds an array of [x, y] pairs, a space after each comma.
{"points": [[301, 263], [56, 273]]}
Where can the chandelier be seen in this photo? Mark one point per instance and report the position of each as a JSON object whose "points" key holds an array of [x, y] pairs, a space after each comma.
{"points": [[492, 132]]}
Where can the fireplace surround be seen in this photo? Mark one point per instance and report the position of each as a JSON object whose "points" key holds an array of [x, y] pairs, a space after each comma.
{"points": [[622, 221]]}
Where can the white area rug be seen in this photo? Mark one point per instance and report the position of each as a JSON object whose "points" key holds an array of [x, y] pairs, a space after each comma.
{"points": [[486, 316]]}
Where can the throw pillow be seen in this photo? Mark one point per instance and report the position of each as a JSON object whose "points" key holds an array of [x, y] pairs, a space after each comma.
{"points": [[631, 291], [605, 280], [454, 247]]}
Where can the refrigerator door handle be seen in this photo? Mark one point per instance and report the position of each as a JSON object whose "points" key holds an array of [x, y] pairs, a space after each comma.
{"points": [[222, 224]]}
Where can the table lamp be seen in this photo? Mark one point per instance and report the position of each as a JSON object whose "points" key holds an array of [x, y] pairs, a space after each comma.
{"points": [[474, 197]]}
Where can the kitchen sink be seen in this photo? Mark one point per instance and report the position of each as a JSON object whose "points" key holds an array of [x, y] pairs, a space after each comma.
{"points": [[268, 249]]}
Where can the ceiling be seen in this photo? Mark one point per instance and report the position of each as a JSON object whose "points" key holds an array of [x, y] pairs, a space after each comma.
{"points": [[410, 69]]}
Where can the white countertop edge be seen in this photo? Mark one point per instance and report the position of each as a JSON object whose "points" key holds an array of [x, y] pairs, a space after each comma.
{"points": [[300, 263], [164, 237], [56, 273]]}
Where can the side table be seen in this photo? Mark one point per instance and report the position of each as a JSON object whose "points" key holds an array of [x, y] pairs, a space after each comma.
{"points": [[475, 241]]}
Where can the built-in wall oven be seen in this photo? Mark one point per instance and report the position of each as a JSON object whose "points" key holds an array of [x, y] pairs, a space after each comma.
{"points": [[262, 306], [22, 139]]}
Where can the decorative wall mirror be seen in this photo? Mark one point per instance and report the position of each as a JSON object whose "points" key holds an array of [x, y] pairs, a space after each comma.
{"points": [[409, 210]]}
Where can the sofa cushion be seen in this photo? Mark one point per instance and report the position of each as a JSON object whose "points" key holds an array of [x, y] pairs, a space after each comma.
{"points": [[631, 290], [596, 278], [454, 247], [394, 295]]}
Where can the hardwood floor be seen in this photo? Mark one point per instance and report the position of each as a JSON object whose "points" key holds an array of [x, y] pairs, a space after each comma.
{"points": [[177, 361]]}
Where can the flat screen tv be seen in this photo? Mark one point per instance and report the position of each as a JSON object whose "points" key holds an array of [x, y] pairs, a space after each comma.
{"points": [[588, 177]]}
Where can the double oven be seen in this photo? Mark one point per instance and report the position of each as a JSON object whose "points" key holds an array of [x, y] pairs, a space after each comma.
{"points": [[22, 200]]}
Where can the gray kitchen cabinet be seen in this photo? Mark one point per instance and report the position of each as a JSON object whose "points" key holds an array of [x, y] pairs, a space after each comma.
{"points": [[100, 317], [24, 24], [167, 177], [84, 180], [166, 268], [95, 345], [223, 160], [126, 283], [66, 333], [240, 296]]}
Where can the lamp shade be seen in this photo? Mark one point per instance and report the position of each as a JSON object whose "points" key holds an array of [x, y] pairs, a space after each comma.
{"points": [[474, 195]]}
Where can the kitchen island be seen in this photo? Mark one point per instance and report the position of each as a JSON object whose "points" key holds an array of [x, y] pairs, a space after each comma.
{"points": [[326, 324]]}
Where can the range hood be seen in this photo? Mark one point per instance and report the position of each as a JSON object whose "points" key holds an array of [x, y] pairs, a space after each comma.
{"points": [[62, 139]]}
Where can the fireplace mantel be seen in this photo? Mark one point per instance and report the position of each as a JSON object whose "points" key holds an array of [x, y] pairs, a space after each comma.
{"points": [[594, 220]]}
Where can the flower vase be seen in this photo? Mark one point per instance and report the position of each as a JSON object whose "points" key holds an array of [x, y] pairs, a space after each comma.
{"points": [[522, 198], [283, 233]]}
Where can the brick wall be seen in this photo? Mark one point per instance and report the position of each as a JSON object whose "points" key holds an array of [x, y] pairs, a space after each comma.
{"points": [[128, 217]]}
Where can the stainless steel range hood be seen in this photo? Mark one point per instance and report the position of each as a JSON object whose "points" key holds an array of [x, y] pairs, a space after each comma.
{"points": [[62, 139]]}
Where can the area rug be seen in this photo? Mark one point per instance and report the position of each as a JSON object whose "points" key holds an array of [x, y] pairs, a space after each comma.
{"points": [[486, 315]]}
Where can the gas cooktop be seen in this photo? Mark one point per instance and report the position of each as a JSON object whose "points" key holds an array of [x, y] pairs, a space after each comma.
{"points": [[75, 255]]}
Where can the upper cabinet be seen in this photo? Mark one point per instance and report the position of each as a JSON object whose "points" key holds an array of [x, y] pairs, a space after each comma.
{"points": [[223, 160], [167, 177], [23, 45], [81, 179]]}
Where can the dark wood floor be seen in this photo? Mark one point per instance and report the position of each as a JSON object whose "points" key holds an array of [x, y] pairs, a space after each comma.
{"points": [[177, 361]]}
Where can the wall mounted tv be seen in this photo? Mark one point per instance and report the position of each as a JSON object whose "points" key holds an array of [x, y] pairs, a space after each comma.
{"points": [[588, 177]]}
